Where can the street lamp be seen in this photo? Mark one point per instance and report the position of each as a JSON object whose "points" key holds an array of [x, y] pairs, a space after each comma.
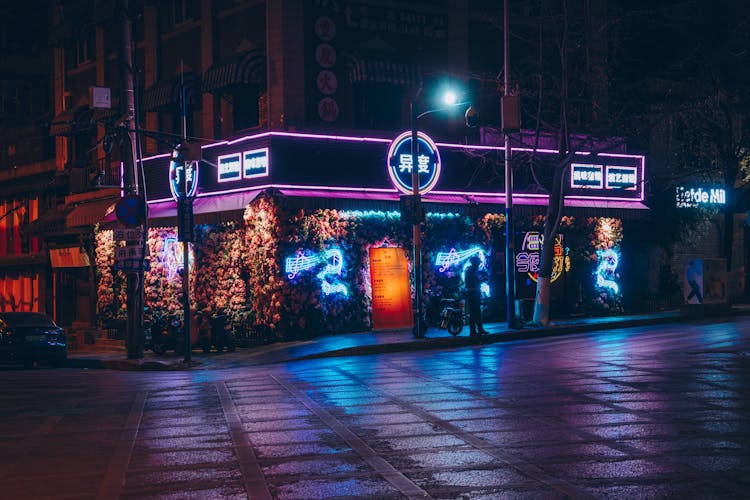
{"points": [[449, 100]]}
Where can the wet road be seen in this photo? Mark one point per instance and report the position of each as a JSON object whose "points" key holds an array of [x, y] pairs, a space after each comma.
{"points": [[650, 412]]}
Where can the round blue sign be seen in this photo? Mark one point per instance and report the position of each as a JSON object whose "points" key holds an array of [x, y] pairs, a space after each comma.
{"points": [[400, 163]]}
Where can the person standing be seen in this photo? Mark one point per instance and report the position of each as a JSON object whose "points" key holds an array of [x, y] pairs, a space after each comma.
{"points": [[474, 296]]}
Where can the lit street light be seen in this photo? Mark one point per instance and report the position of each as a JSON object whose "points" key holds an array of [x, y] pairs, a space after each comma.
{"points": [[449, 99]]}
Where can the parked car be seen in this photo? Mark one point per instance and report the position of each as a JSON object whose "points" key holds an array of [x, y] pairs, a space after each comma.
{"points": [[28, 337]]}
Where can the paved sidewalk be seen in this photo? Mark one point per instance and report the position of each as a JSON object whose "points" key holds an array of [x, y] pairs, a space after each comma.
{"points": [[370, 343]]}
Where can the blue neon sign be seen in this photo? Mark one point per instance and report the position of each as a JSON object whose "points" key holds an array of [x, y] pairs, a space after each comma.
{"points": [[334, 263], [445, 260], [400, 163], [605, 272]]}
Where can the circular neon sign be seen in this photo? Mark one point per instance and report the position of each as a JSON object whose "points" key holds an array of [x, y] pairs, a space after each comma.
{"points": [[400, 163], [176, 170]]}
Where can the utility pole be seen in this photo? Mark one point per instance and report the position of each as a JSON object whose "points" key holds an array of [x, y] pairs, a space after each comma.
{"points": [[510, 265], [134, 329], [419, 326]]}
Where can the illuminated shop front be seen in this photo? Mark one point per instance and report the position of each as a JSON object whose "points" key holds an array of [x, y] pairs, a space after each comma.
{"points": [[302, 232]]}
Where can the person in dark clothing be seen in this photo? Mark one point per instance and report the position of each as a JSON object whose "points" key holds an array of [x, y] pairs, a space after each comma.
{"points": [[474, 296]]}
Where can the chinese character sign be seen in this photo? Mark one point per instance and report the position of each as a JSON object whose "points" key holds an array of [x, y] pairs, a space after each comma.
{"points": [[528, 258], [401, 163], [183, 178]]}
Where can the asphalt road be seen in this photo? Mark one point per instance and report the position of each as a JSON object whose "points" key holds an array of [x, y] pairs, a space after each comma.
{"points": [[655, 412]]}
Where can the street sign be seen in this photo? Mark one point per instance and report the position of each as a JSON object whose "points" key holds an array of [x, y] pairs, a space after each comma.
{"points": [[131, 210], [185, 224], [133, 265], [129, 252], [128, 234]]}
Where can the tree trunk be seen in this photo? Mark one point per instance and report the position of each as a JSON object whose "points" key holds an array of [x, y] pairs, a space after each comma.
{"points": [[546, 260]]}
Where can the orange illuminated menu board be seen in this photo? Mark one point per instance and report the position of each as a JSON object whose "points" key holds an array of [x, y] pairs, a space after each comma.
{"points": [[391, 293]]}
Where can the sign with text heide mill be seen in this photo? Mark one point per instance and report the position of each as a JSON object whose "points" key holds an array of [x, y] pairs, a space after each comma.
{"points": [[391, 292]]}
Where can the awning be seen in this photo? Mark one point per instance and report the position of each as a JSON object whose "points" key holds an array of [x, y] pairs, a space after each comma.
{"points": [[207, 209], [50, 221], [90, 213], [381, 70], [68, 257], [23, 260], [80, 118], [247, 68], [72, 120], [166, 92]]}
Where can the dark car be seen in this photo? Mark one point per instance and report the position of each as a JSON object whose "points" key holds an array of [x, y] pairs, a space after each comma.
{"points": [[29, 337]]}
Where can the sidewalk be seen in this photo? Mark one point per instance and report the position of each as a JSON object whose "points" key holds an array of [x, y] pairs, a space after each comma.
{"points": [[369, 343]]}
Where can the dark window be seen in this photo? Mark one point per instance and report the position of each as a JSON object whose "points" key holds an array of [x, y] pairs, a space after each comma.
{"points": [[245, 107], [378, 106], [81, 50], [184, 10]]}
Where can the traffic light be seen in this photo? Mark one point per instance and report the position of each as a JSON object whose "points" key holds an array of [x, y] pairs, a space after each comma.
{"points": [[472, 117]]}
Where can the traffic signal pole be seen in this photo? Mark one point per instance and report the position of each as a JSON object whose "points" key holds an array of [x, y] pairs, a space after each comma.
{"points": [[134, 328]]}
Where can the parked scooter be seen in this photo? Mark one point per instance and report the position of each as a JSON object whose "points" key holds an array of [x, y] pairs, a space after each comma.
{"points": [[452, 315], [165, 333]]}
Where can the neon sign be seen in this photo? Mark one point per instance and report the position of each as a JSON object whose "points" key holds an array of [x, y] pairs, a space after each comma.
{"points": [[622, 178], [694, 197], [527, 260], [609, 177], [178, 169], [445, 260], [605, 272], [245, 165], [229, 167], [334, 262], [172, 256], [586, 176], [400, 163], [255, 163]]}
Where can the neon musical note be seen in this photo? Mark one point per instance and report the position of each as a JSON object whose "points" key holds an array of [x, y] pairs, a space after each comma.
{"points": [[446, 260], [605, 272], [334, 263]]}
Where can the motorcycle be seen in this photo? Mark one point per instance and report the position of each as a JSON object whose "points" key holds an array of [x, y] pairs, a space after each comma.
{"points": [[165, 334], [452, 315]]}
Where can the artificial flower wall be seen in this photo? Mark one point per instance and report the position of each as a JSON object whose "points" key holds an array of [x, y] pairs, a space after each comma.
{"points": [[239, 269]]}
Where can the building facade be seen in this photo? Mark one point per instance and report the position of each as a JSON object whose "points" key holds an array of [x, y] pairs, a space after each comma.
{"points": [[224, 74]]}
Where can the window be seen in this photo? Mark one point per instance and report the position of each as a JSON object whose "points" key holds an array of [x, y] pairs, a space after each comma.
{"points": [[85, 48], [245, 107], [81, 50], [184, 10], [378, 106]]}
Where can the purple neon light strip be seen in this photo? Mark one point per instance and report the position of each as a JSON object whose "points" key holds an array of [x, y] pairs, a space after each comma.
{"points": [[497, 198], [347, 138], [342, 138]]}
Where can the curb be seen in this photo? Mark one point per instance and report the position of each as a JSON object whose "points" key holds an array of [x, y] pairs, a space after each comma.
{"points": [[528, 333], [493, 338]]}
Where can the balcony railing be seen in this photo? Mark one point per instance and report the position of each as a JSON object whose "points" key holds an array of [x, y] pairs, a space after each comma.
{"points": [[101, 174]]}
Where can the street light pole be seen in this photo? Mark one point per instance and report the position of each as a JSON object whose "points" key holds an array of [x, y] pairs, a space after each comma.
{"points": [[416, 236], [510, 265]]}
